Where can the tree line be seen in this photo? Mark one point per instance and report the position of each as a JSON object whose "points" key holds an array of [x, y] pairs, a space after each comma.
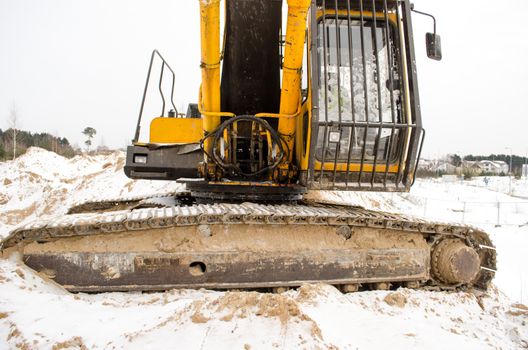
{"points": [[25, 139]]}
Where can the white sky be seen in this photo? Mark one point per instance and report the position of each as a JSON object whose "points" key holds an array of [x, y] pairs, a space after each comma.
{"points": [[71, 64]]}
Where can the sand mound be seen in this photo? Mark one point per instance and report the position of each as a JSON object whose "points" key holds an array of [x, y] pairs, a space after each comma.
{"points": [[395, 299]]}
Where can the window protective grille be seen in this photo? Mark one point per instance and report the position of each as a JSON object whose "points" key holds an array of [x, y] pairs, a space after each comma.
{"points": [[365, 136]]}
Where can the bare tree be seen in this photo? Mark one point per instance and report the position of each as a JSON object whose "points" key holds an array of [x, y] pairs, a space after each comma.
{"points": [[13, 122]]}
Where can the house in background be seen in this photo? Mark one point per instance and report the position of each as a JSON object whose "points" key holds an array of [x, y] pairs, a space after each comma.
{"points": [[471, 167], [495, 167]]}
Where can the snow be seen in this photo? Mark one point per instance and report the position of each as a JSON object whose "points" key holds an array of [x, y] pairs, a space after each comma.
{"points": [[43, 184], [37, 314], [519, 187]]}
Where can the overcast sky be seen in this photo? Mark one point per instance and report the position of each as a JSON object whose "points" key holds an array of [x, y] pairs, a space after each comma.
{"points": [[70, 64]]}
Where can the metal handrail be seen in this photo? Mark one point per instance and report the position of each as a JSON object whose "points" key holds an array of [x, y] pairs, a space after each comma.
{"points": [[164, 63]]}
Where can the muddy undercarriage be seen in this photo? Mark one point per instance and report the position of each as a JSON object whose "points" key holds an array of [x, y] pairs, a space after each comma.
{"points": [[251, 246]]}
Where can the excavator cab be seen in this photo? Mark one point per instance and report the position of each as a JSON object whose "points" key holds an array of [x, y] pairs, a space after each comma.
{"points": [[327, 100], [367, 130]]}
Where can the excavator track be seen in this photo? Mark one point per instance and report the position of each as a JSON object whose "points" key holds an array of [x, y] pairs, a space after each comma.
{"points": [[248, 245], [133, 202]]}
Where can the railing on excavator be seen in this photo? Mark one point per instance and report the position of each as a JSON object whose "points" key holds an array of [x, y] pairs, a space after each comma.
{"points": [[172, 112], [366, 127]]}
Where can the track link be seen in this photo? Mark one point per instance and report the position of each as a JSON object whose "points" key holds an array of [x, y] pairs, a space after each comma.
{"points": [[342, 217]]}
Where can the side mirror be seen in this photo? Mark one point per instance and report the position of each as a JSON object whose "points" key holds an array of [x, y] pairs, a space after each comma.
{"points": [[432, 40], [434, 46]]}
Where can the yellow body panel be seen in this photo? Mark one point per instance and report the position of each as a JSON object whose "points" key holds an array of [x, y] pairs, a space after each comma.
{"points": [[176, 130]]}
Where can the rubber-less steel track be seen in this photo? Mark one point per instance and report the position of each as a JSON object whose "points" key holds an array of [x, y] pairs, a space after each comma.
{"points": [[86, 224]]}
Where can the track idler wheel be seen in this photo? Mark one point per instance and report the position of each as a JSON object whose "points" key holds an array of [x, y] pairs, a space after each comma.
{"points": [[454, 262]]}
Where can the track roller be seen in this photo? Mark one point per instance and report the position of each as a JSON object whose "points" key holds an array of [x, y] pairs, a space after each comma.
{"points": [[349, 288]]}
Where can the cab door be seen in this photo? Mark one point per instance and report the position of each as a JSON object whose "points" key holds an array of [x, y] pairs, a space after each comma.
{"points": [[366, 131]]}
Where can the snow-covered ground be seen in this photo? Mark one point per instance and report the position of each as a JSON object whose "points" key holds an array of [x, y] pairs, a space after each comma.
{"points": [[36, 314], [518, 187]]}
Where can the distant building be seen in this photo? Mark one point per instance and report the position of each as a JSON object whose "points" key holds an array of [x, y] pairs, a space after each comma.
{"points": [[473, 167], [445, 167], [495, 167], [437, 165]]}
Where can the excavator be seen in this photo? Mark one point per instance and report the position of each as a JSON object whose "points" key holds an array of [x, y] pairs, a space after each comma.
{"points": [[324, 100]]}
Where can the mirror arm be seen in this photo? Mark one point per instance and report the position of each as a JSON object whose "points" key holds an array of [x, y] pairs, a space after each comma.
{"points": [[425, 14]]}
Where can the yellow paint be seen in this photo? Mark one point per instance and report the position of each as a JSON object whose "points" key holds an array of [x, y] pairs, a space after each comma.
{"points": [[357, 14], [209, 113], [356, 167], [302, 147], [176, 130], [291, 72], [210, 64]]}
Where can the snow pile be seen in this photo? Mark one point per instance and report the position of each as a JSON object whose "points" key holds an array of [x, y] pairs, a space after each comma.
{"points": [[35, 313], [42, 183]]}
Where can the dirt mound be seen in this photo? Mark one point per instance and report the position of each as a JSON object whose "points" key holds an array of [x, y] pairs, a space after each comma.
{"points": [[396, 299], [75, 342], [243, 304]]}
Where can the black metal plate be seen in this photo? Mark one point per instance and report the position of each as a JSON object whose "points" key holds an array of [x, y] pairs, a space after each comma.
{"points": [[83, 271]]}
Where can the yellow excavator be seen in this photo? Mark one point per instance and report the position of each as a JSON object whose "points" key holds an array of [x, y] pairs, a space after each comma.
{"points": [[327, 100]]}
